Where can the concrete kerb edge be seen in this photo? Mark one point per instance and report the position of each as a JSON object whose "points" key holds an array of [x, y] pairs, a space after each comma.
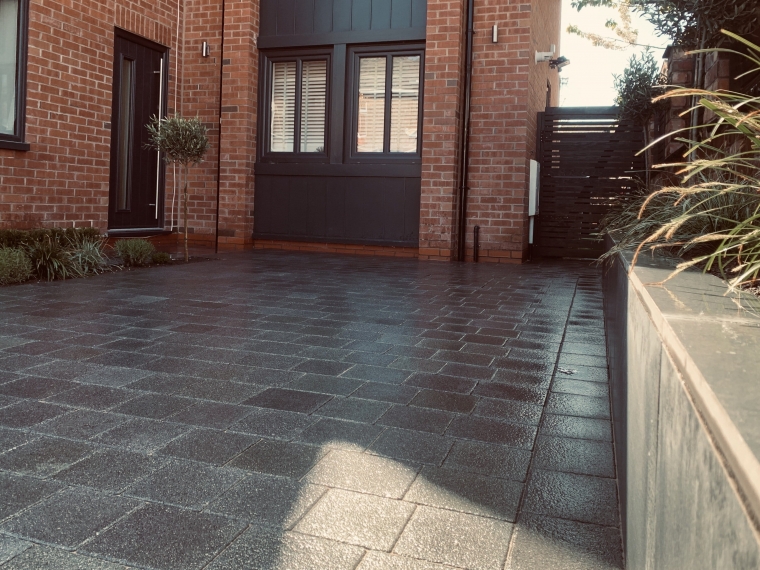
{"points": [[739, 462]]}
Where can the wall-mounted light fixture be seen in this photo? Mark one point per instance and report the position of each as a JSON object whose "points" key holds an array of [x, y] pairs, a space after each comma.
{"points": [[205, 49], [495, 34], [559, 63], [542, 56]]}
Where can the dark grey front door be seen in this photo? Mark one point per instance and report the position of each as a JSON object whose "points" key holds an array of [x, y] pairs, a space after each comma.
{"points": [[137, 174]]}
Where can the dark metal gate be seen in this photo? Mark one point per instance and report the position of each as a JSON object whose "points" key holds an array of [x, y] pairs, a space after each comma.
{"points": [[588, 163]]}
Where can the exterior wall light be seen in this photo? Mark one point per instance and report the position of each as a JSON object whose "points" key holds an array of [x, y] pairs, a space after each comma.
{"points": [[205, 49]]}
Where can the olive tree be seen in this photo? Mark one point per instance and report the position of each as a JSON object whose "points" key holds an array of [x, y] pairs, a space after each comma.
{"points": [[181, 141]]}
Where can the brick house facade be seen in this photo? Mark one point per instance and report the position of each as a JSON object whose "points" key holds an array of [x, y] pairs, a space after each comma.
{"points": [[62, 171]]}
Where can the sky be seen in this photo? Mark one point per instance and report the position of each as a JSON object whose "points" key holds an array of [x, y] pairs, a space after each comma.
{"points": [[589, 77]]}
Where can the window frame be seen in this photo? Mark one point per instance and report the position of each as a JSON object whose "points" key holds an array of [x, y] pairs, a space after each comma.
{"points": [[352, 125], [267, 64], [17, 141]]}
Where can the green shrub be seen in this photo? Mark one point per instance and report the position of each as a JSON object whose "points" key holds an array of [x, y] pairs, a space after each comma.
{"points": [[88, 254], [15, 266], [134, 252], [161, 258], [64, 237], [50, 260]]}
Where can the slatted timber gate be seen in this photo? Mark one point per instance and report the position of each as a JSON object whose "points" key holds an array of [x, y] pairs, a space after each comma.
{"points": [[588, 163]]}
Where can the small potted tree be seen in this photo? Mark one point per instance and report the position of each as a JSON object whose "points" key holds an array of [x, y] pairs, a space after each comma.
{"points": [[181, 141]]}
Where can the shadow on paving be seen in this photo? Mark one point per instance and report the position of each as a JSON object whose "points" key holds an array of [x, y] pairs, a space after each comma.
{"points": [[294, 411]]}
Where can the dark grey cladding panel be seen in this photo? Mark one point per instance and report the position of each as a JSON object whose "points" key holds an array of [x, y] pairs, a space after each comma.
{"points": [[301, 18], [340, 209]]}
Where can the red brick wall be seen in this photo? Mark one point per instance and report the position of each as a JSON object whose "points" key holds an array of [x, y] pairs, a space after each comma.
{"points": [[64, 178], [508, 89]]}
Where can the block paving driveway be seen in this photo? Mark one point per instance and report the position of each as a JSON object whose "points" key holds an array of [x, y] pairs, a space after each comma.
{"points": [[291, 411]]}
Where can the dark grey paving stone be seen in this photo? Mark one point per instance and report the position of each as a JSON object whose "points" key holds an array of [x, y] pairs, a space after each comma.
{"points": [[330, 367], [154, 406], [518, 393], [580, 387], [514, 378], [70, 517], [16, 362], [488, 459], [377, 374], [273, 423], [368, 346], [524, 366], [287, 459], [479, 373], [211, 414], [576, 427], [46, 558], [270, 549], [34, 348], [28, 413], [329, 432], [582, 406], [441, 382], [570, 496], [465, 492], [44, 456], [462, 357], [364, 520], [209, 446], [185, 484], [120, 358], [577, 346], [355, 409], [93, 397], [10, 438], [62, 369], [572, 360], [257, 375], [142, 435], [288, 400], [509, 410], [386, 392], [376, 560], [575, 456], [481, 542], [142, 539], [7, 401], [163, 383], [110, 469], [18, 492], [416, 364], [492, 431], [369, 358], [487, 339], [545, 542], [80, 424], [412, 446], [113, 376], [11, 547], [265, 499], [325, 384], [587, 373], [419, 419], [415, 352], [447, 401], [221, 391], [35, 387]]}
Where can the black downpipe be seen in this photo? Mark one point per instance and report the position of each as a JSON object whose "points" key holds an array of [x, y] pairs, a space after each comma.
{"points": [[219, 141], [464, 138], [475, 243]]}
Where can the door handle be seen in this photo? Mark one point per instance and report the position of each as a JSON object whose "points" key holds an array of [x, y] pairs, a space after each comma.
{"points": [[160, 104]]}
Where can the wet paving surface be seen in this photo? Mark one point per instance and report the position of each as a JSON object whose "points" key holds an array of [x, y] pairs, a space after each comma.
{"points": [[304, 411]]}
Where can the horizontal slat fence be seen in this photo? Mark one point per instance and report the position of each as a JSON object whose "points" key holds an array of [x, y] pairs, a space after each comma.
{"points": [[588, 163]]}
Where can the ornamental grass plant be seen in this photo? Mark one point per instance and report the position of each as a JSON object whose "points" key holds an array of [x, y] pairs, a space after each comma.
{"points": [[711, 219]]}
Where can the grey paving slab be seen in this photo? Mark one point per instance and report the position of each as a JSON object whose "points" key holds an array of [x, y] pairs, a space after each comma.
{"points": [[69, 518], [413, 418], [488, 459], [183, 484], [465, 492], [542, 543], [141, 434], [273, 423], [287, 459], [44, 456], [415, 446], [46, 558], [211, 414], [18, 492], [329, 432], [481, 543], [268, 500], [110, 469], [81, 424], [209, 446], [27, 413], [93, 397], [11, 547], [576, 427], [10, 438], [141, 538], [325, 384], [376, 560], [575, 456], [356, 409], [356, 518], [364, 473], [266, 549]]}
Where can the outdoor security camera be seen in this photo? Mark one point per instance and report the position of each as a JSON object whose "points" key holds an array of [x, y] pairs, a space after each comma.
{"points": [[544, 56], [559, 63]]}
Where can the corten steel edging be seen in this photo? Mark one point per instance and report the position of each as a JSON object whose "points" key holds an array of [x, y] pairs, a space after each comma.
{"points": [[738, 460]]}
